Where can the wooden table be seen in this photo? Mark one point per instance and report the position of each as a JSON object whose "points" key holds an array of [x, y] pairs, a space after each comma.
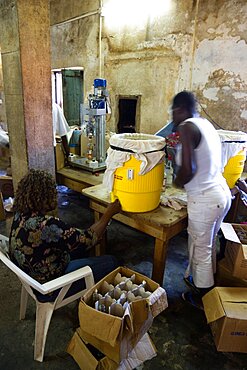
{"points": [[162, 223], [78, 179]]}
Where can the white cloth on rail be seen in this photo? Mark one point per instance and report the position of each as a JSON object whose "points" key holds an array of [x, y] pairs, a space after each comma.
{"points": [[232, 142]]}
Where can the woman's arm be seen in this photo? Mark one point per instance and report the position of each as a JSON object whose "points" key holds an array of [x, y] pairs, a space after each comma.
{"points": [[73, 238], [99, 227]]}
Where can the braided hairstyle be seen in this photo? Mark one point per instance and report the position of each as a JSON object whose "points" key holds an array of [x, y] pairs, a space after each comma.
{"points": [[36, 192]]}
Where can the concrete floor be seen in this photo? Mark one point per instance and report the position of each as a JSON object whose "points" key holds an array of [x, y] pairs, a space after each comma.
{"points": [[181, 334]]}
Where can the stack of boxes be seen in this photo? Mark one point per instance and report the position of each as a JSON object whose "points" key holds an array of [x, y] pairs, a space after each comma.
{"points": [[104, 341], [226, 305]]}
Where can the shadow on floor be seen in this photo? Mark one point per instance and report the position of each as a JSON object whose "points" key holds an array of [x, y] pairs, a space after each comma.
{"points": [[180, 334]]}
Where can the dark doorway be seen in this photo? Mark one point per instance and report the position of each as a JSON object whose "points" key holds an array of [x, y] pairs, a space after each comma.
{"points": [[127, 115]]}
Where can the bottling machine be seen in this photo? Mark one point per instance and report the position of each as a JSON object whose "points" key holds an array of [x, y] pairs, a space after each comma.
{"points": [[93, 130]]}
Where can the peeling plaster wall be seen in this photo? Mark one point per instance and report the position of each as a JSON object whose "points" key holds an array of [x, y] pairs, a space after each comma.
{"points": [[76, 43], [158, 58], [155, 85], [220, 66]]}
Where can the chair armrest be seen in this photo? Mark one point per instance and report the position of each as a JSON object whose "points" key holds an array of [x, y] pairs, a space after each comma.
{"points": [[50, 286], [64, 280]]}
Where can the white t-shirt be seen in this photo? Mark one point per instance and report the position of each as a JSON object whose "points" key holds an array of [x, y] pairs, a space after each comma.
{"points": [[208, 158], [60, 125]]}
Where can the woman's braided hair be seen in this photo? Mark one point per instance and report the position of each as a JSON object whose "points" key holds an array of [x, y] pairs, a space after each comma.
{"points": [[36, 192]]}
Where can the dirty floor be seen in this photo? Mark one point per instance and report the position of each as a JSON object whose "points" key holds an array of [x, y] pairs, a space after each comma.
{"points": [[180, 334]]}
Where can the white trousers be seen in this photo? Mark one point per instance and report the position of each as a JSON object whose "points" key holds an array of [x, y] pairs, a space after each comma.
{"points": [[206, 211]]}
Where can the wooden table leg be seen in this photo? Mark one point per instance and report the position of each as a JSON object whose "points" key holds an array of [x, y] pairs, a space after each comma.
{"points": [[100, 247], [159, 260]]}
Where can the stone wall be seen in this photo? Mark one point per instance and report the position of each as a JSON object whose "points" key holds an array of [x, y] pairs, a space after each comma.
{"points": [[197, 45], [220, 66], [25, 51]]}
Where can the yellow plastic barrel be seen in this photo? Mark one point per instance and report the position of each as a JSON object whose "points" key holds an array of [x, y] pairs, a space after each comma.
{"points": [[137, 193], [234, 168], [234, 145]]}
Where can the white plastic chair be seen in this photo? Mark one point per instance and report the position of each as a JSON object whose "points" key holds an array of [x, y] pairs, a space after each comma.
{"points": [[45, 310]]}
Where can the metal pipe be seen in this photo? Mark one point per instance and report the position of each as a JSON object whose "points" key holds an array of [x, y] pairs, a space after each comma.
{"points": [[78, 17], [100, 38], [193, 44], [100, 138]]}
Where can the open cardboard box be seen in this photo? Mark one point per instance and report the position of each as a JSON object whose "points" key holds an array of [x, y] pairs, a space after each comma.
{"points": [[226, 312], [115, 336], [89, 358], [224, 277], [236, 248]]}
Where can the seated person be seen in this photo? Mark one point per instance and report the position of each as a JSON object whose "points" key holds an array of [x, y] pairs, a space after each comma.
{"points": [[44, 246]]}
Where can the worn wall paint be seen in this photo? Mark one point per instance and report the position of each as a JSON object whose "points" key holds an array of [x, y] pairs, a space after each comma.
{"points": [[155, 59], [61, 10], [75, 44], [220, 65], [154, 85]]}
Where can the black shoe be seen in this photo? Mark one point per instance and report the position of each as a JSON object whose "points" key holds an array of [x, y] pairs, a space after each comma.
{"points": [[189, 281], [193, 299]]}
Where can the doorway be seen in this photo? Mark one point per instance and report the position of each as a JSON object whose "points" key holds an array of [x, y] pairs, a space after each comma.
{"points": [[128, 114]]}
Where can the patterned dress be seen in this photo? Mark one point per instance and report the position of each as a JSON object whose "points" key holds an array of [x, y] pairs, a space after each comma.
{"points": [[41, 245]]}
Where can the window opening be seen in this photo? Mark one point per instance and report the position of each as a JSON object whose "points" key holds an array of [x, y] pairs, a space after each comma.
{"points": [[127, 115]]}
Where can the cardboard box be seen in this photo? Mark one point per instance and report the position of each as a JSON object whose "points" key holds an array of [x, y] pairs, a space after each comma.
{"points": [[60, 158], [224, 276], [236, 248], [115, 336], [226, 312], [113, 352], [89, 358], [143, 351]]}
